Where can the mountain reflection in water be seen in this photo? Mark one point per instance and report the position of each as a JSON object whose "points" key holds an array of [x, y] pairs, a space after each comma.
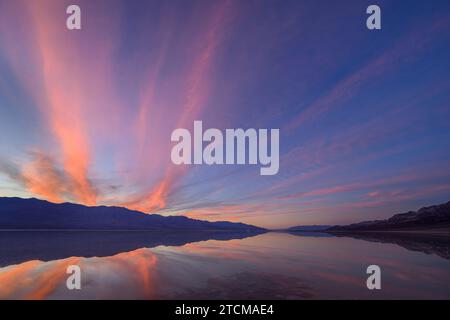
{"points": [[21, 246], [264, 266]]}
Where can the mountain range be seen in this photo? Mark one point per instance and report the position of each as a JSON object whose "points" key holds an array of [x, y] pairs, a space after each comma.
{"points": [[432, 218], [34, 214]]}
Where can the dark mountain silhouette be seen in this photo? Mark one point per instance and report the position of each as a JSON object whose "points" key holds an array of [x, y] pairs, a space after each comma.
{"points": [[34, 214], [433, 218]]}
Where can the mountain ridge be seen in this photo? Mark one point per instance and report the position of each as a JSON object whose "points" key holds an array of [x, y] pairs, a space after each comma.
{"points": [[434, 217], [33, 214]]}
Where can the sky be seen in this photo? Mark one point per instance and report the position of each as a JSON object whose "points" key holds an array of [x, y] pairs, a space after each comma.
{"points": [[86, 115]]}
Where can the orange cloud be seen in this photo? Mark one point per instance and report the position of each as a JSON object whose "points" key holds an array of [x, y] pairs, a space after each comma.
{"points": [[155, 199], [63, 102], [41, 177], [196, 95]]}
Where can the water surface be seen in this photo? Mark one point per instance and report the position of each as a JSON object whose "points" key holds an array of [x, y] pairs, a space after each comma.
{"points": [[265, 266]]}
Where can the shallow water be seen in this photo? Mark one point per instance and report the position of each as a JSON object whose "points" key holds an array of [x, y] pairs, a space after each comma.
{"points": [[266, 266]]}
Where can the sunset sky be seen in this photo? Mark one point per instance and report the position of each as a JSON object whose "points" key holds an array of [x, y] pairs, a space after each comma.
{"points": [[364, 116]]}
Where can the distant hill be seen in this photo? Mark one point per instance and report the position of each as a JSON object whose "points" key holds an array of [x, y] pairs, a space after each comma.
{"points": [[308, 228], [428, 218], [32, 214]]}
